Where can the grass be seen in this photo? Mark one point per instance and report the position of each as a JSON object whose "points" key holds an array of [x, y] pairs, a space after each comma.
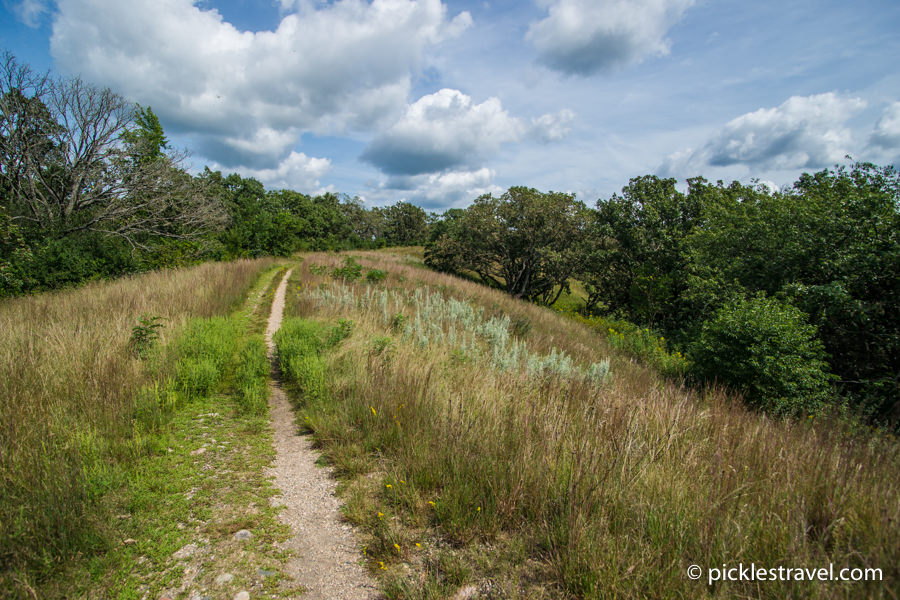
{"points": [[78, 405], [465, 467]]}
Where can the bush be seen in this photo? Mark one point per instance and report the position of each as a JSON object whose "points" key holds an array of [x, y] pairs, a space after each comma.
{"points": [[375, 275], [766, 350], [351, 271]]}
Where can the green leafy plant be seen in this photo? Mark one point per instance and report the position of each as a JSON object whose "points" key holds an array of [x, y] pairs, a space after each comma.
{"points": [[144, 335], [375, 275], [766, 350], [351, 271]]}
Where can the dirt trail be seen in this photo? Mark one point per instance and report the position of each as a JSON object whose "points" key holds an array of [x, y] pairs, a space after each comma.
{"points": [[327, 556]]}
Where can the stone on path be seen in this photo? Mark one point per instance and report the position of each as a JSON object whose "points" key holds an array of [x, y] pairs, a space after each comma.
{"points": [[243, 534]]}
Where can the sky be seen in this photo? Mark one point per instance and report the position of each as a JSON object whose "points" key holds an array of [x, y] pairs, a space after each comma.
{"points": [[436, 103]]}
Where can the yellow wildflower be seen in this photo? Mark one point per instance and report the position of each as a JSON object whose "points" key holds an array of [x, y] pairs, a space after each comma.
{"points": [[397, 548], [372, 408], [388, 486]]}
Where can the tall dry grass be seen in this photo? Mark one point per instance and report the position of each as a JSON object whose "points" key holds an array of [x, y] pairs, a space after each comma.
{"points": [[607, 490], [67, 400]]}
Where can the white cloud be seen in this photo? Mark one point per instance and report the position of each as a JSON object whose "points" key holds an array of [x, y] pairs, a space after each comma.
{"points": [[446, 130], [552, 128], [583, 37], [438, 190], [804, 132], [296, 172], [440, 131], [344, 66], [29, 11], [887, 130]]}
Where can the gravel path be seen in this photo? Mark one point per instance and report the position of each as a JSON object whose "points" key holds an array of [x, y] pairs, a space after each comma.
{"points": [[327, 555]]}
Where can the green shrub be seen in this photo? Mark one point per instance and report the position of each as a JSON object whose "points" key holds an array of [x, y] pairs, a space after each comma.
{"points": [[375, 275], [144, 335], [766, 350], [340, 332], [351, 271]]}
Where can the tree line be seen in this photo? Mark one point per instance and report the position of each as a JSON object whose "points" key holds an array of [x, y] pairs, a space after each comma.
{"points": [[791, 297], [91, 188]]}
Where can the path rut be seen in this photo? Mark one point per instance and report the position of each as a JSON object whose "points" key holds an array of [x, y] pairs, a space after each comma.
{"points": [[326, 557]]}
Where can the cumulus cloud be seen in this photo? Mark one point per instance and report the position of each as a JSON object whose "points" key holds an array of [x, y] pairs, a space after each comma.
{"points": [[442, 130], [803, 132], [887, 129], [438, 191], [337, 67], [296, 172], [552, 128], [29, 12], [447, 130], [583, 37]]}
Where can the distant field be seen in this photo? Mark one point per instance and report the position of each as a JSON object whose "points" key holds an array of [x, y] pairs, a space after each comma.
{"points": [[491, 443]]}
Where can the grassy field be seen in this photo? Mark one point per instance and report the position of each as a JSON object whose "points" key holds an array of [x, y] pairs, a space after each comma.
{"points": [[81, 404], [489, 444], [486, 447]]}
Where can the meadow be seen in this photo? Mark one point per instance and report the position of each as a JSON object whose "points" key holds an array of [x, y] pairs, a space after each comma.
{"points": [[491, 444], [84, 388]]}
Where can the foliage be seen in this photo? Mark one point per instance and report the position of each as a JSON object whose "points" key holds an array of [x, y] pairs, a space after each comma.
{"points": [[642, 343], [526, 242], [375, 275], [351, 271], [144, 335], [766, 350]]}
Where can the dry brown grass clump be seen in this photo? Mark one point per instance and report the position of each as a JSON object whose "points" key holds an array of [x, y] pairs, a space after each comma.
{"points": [[558, 485]]}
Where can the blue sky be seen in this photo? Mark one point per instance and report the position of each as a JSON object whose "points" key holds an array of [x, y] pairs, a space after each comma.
{"points": [[436, 103]]}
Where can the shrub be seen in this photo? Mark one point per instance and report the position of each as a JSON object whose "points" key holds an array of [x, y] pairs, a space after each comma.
{"points": [[144, 335], [351, 271], [375, 275], [766, 350]]}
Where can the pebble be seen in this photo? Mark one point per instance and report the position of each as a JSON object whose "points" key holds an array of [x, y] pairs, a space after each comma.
{"points": [[185, 552], [243, 534], [198, 451], [466, 593], [243, 595], [265, 573], [224, 578]]}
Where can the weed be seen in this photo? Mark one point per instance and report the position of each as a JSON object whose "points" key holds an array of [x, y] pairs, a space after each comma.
{"points": [[351, 271], [375, 275], [144, 335]]}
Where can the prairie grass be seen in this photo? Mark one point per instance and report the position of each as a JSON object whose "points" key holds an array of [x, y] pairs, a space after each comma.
{"points": [[75, 401], [466, 467]]}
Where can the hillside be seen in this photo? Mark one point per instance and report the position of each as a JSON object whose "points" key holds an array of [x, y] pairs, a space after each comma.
{"points": [[484, 447]]}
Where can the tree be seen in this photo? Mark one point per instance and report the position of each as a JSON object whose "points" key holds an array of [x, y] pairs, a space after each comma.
{"points": [[405, 225], [75, 158], [526, 242]]}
